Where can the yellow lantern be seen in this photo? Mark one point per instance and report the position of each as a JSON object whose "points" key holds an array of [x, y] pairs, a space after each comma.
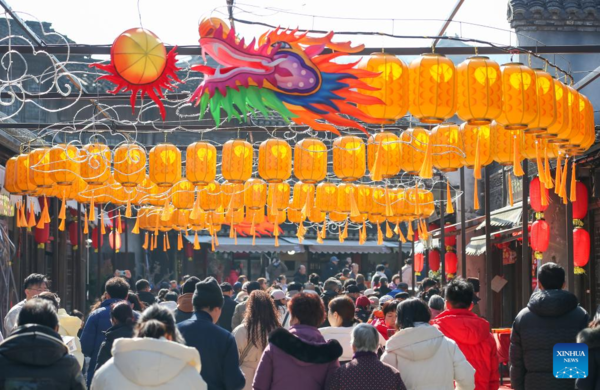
{"points": [[579, 135], [326, 197], [479, 90], [24, 182], [165, 165], [210, 197], [574, 118], [157, 195], [255, 216], [117, 193], [64, 164], [476, 138], [183, 194], [359, 218], [413, 145], [39, 166], [234, 217], [295, 216], [432, 88], [529, 143], [278, 218], [275, 160], [391, 84], [233, 195], [201, 163], [345, 196], [130, 165], [559, 131], [278, 196], [237, 158], [316, 215], [378, 205], [398, 203], [180, 219], [349, 158], [310, 160], [447, 152], [199, 223], [255, 194], [335, 216], [591, 129], [95, 165], [426, 205], [364, 198], [503, 145], [377, 218], [10, 176], [100, 193], [519, 97], [301, 192], [546, 103], [383, 150]]}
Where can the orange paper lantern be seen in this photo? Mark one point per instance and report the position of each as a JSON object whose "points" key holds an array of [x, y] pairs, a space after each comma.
{"points": [[476, 139], [233, 195], [519, 97], [349, 158], [237, 158], [278, 196], [383, 150], [210, 196], [95, 165], [413, 145], [64, 164], [326, 197], [479, 90], [255, 194], [275, 160], [39, 167], [183, 194], [310, 160], [165, 165], [546, 103], [447, 153], [130, 165], [201, 163]]}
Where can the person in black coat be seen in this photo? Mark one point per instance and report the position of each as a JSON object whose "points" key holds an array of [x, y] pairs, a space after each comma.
{"points": [[228, 307], [330, 269], [300, 276], [142, 287], [552, 316], [34, 356], [123, 320], [591, 337]]}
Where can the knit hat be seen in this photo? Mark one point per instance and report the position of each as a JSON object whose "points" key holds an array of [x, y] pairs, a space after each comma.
{"points": [[208, 294], [352, 289], [363, 302]]}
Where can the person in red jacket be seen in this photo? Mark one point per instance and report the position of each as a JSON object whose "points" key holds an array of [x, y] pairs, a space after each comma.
{"points": [[471, 333]]}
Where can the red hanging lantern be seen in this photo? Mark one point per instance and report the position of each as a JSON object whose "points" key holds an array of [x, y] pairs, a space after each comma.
{"points": [[435, 260], [189, 251], [73, 227], [451, 262], [95, 239], [418, 263], [114, 239], [540, 237], [41, 236], [450, 239], [581, 249], [580, 205], [535, 195]]}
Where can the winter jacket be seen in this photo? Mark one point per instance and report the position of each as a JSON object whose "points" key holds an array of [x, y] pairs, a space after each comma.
{"points": [[35, 358], [144, 363], [407, 276], [92, 337], [238, 314], [298, 359], [343, 335], [120, 331], [10, 321], [365, 371], [551, 317], [185, 308], [300, 278], [218, 352], [172, 306], [252, 358], [591, 337], [274, 271], [363, 315], [382, 328], [427, 360], [329, 271], [69, 326], [147, 297], [472, 334], [227, 313]]}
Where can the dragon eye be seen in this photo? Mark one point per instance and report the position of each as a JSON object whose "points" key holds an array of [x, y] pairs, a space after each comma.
{"points": [[282, 45]]}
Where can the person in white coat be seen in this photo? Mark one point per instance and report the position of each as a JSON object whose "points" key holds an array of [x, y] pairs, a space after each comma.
{"points": [[252, 335], [426, 359], [155, 358], [341, 316]]}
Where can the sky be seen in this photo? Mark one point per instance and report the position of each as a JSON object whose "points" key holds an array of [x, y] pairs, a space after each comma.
{"points": [[176, 21]]}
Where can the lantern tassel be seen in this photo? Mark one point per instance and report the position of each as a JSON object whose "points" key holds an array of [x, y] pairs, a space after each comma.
{"points": [[379, 235], [195, 214], [145, 246], [102, 227], [376, 174], [549, 182], [196, 241], [45, 213], [307, 206], [92, 209], [128, 209], [424, 229], [324, 230], [563, 182], [477, 163], [31, 222], [179, 242], [543, 194], [388, 231], [411, 232], [573, 191], [354, 211], [168, 241], [119, 226], [63, 208], [426, 171], [300, 233], [398, 231], [557, 177], [449, 205], [165, 215], [154, 241], [476, 194], [85, 224], [276, 232], [510, 190], [345, 232], [517, 168], [61, 227], [388, 204], [540, 166], [165, 242], [136, 227]]}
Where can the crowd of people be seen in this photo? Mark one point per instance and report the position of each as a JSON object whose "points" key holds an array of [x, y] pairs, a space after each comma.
{"points": [[335, 331]]}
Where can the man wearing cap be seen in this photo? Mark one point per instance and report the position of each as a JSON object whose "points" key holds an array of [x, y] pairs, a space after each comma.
{"points": [[330, 269], [217, 347], [240, 309], [293, 289], [228, 307]]}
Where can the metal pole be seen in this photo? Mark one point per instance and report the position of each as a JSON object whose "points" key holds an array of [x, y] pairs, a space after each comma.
{"points": [[443, 236], [463, 228], [414, 276], [525, 253], [488, 247], [569, 232], [99, 265]]}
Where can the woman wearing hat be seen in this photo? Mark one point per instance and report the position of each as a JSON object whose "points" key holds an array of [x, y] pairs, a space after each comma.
{"points": [[280, 300]]}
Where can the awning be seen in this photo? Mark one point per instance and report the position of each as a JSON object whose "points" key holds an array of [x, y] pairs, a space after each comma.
{"points": [[477, 245], [244, 244], [505, 216], [348, 246]]}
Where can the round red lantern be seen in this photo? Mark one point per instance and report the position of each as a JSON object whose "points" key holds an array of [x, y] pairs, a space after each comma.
{"points": [[73, 227], [418, 263], [41, 236], [451, 262], [435, 260], [580, 205], [449, 238], [95, 239], [189, 251], [114, 239], [535, 195], [581, 249], [540, 237]]}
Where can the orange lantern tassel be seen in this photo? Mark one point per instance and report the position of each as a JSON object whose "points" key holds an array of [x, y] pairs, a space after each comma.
{"points": [[540, 166], [340, 235], [354, 211], [155, 241], [196, 241], [136, 227], [379, 235], [376, 174], [476, 195], [388, 204], [165, 242], [543, 194], [563, 182], [549, 182], [324, 230], [426, 171], [573, 191], [128, 209], [45, 212], [63, 207], [234, 237], [168, 241], [510, 190], [307, 206], [85, 224], [102, 227], [276, 233], [179, 242], [196, 209], [477, 163], [388, 231], [517, 168], [300, 233], [558, 175], [424, 229], [92, 209], [119, 225], [61, 227], [345, 233], [449, 205], [31, 222], [411, 232], [400, 234], [145, 246], [215, 239]]}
